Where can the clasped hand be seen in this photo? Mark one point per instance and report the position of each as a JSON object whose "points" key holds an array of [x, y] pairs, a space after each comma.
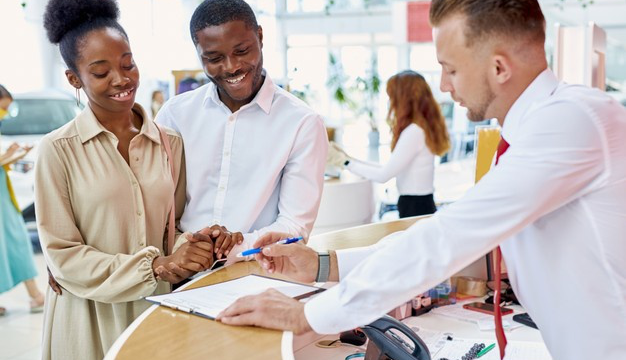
{"points": [[196, 254]]}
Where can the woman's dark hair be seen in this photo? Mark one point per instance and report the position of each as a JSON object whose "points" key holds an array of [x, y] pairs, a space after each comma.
{"points": [[4, 93], [68, 21], [218, 12]]}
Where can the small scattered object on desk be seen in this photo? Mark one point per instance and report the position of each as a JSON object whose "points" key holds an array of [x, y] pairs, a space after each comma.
{"points": [[525, 319], [355, 355], [402, 312], [355, 337], [421, 304], [476, 351], [473, 352], [328, 344], [485, 350]]}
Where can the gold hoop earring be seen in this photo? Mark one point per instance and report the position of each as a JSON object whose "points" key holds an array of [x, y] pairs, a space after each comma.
{"points": [[78, 97]]}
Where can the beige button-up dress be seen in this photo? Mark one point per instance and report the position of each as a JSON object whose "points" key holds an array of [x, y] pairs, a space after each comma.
{"points": [[101, 223]]}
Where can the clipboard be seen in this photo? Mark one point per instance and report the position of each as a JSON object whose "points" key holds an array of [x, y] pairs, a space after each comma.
{"points": [[210, 300]]}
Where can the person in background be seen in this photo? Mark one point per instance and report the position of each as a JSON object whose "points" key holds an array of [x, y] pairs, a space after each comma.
{"points": [[255, 153], [16, 251], [157, 102], [419, 134], [555, 202], [104, 188]]}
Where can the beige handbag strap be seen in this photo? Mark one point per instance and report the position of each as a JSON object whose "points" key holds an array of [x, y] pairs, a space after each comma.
{"points": [[171, 225]]}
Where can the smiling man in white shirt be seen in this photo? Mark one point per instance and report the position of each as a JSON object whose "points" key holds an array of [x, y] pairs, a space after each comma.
{"points": [[556, 201], [255, 154]]}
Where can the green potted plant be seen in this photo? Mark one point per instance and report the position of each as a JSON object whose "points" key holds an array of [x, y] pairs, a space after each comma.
{"points": [[368, 88]]}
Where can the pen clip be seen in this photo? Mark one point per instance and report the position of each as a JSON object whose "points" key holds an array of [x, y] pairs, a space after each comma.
{"points": [[176, 305]]}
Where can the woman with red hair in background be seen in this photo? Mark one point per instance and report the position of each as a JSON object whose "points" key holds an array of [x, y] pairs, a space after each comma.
{"points": [[419, 133]]}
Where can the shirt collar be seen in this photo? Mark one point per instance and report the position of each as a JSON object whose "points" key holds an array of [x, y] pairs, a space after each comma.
{"points": [[263, 98], [89, 127], [541, 88]]}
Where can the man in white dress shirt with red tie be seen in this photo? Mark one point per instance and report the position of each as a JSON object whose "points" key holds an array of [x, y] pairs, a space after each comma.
{"points": [[555, 203], [254, 153]]}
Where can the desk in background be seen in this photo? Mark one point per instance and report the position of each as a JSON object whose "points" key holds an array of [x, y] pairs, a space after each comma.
{"points": [[346, 201]]}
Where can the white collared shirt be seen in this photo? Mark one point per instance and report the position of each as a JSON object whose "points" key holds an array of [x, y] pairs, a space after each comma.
{"points": [[256, 170], [411, 162], [556, 204]]}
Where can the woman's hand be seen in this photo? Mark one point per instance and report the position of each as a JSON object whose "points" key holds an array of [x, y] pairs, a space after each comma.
{"points": [[11, 150], [336, 156], [54, 285], [223, 239], [189, 258], [172, 273]]}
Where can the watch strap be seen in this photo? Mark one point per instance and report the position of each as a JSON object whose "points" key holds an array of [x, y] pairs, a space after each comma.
{"points": [[323, 270]]}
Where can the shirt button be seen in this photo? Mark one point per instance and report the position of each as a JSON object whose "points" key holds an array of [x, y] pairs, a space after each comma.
{"points": [[136, 159], [221, 188], [142, 243], [226, 153], [231, 118], [139, 212]]}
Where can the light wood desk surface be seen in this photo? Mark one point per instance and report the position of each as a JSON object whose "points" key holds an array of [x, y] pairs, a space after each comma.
{"points": [[163, 333], [170, 334]]}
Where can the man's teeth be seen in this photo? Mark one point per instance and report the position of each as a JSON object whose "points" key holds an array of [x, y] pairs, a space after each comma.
{"points": [[123, 94], [236, 80]]}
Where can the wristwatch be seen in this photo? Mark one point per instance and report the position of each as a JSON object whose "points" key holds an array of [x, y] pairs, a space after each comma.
{"points": [[323, 270]]}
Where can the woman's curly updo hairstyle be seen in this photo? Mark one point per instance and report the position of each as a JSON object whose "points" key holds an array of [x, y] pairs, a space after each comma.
{"points": [[68, 21]]}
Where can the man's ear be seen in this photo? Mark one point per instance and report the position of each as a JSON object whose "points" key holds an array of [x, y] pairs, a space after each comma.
{"points": [[73, 79], [259, 33], [501, 68]]}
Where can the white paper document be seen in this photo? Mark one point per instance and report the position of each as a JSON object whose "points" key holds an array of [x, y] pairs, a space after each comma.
{"points": [[208, 301], [485, 321]]}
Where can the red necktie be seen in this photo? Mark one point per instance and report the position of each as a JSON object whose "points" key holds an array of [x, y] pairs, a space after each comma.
{"points": [[502, 148]]}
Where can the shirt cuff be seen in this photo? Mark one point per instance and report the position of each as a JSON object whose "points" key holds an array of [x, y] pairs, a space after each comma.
{"points": [[348, 259], [146, 265], [324, 313]]}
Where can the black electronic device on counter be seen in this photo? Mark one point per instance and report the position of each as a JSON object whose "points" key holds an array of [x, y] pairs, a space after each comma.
{"points": [[525, 319], [391, 339], [355, 337]]}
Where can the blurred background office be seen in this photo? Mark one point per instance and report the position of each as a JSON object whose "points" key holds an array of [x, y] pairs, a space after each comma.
{"points": [[336, 55]]}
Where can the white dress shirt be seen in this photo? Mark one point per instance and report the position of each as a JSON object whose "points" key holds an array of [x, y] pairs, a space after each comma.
{"points": [[556, 204], [411, 162], [256, 170]]}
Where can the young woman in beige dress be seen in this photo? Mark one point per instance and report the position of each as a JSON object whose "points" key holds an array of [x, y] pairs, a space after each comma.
{"points": [[104, 189]]}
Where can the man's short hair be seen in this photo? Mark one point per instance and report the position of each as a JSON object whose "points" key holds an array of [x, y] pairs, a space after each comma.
{"points": [[493, 18], [218, 12]]}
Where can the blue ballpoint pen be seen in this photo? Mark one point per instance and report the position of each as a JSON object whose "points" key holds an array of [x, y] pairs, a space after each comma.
{"points": [[258, 250]]}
